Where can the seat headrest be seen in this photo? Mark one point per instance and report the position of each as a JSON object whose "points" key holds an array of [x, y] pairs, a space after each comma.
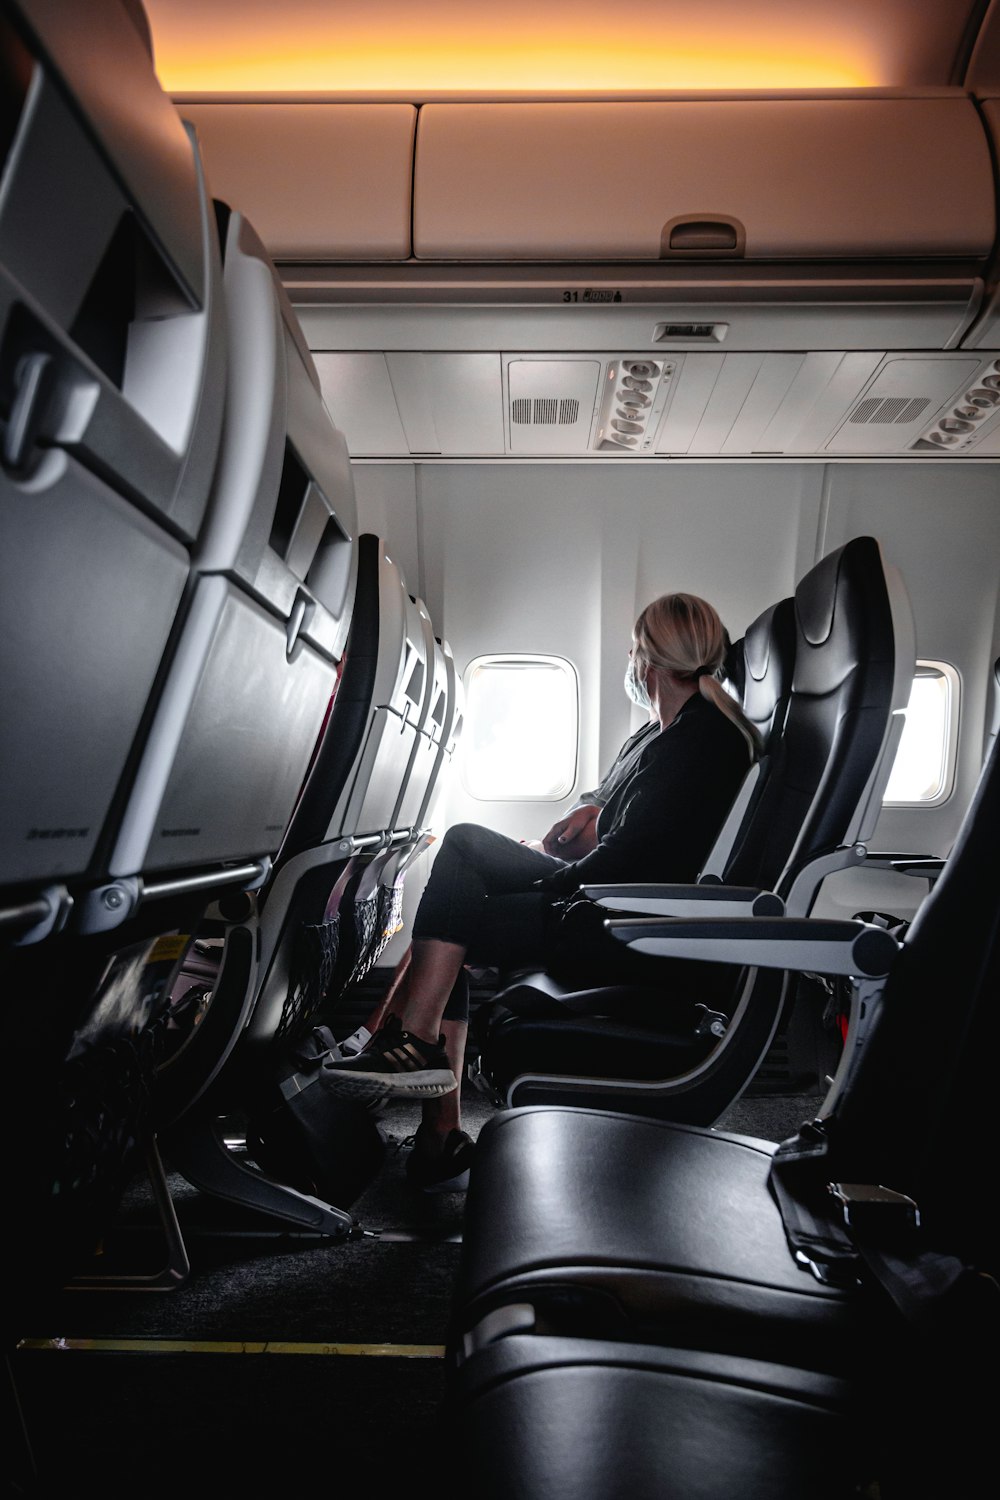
{"points": [[758, 644], [840, 603], [769, 656], [734, 666]]}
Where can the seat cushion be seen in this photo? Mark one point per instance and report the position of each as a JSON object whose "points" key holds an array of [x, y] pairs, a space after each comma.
{"points": [[609, 1225], [574, 1419]]}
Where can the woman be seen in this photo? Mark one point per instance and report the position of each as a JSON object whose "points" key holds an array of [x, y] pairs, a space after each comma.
{"points": [[490, 899]]}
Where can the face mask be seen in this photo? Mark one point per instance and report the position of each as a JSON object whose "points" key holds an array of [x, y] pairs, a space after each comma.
{"points": [[636, 689]]}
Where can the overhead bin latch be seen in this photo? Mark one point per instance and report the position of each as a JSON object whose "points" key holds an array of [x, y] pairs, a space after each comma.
{"points": [[703, 236]]}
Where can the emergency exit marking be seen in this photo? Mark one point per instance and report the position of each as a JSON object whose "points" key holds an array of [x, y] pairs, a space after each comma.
{"points": [[592, 294]]}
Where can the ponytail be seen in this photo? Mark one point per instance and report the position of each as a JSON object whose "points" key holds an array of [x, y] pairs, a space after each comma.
{"points": [[711, 688], [683, 635]]}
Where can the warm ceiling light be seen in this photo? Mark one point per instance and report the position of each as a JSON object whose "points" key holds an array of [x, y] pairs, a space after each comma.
{"points": [[218, 46], [448, 67]]}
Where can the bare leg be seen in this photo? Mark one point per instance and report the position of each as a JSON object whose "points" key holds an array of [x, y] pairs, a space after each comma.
{"points": [[434, 967], [394, 1000], [441, 1116], [427, 971], [418, 997]]}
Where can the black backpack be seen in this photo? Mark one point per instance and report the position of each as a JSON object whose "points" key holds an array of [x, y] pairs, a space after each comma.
{"points": [[303, 1134]]}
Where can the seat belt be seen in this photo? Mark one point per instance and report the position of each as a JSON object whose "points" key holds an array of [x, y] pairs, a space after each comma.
{"points": [[837, 1229]]}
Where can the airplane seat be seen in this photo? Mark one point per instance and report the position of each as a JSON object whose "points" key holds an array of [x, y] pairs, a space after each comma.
{"points": [[378, 896], [862, 1250], [252, 670], [993, 721], [256, 665], [377, 805], [734, 667], [659, 1041], [423, 756], [444, 730], [113, 376], [112, 380], [762, 663], [765, 657], [768, 653], [176, 579], [452, 719], [307, 927], [388, 875], [295, 921]]}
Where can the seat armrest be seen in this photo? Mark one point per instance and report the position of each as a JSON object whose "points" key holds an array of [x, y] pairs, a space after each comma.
{"points": [[806, 944], [687, 900], [922, 866]]}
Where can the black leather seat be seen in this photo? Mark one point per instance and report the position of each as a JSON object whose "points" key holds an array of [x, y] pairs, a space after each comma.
{"points": [[671, 1046], [584, 1226], [578, 1419], [759, 669]]}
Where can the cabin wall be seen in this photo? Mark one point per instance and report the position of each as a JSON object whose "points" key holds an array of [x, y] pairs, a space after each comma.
{"points": [[560, 558]]}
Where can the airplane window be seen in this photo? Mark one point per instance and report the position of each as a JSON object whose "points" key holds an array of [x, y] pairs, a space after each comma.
{"points": [[924, 765], [521, 728]]}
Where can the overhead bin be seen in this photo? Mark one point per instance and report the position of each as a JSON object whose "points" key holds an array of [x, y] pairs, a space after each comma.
{"points": [[985, 331], [744, 179], [319, 181]]}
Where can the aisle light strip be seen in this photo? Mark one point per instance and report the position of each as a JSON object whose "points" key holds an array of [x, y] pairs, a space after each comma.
{"points": [[224, 1346]]}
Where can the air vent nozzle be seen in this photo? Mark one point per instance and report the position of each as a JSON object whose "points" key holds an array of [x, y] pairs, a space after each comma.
{"points": [[635, 395]]}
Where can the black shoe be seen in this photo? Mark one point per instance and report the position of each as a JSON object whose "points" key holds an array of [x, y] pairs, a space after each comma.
{"points": [[445, 1171], [394, 1064]]}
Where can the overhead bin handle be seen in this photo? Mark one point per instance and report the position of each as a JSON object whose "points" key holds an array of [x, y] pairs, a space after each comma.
{"points": [[703, 235]]}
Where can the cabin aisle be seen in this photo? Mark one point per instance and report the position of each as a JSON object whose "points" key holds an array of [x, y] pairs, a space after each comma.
{"points": [[283, 1353]]}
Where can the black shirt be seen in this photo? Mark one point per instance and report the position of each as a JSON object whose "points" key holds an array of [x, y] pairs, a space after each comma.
{"points": [[661, 822], [625, 763]]}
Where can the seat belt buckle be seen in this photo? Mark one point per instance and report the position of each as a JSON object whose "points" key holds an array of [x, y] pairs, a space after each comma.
{"points": [[710, 1022], [865, 1204]]}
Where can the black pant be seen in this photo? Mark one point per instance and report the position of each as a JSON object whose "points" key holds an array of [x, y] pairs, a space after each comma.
{"points": [[480, 896]]}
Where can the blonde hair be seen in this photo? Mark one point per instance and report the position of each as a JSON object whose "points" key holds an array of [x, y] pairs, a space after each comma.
{"points": [[683, 635]]}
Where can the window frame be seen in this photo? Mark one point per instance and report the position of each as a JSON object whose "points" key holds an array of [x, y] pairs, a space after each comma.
{"points": [[521, 658], [928, 667]]}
